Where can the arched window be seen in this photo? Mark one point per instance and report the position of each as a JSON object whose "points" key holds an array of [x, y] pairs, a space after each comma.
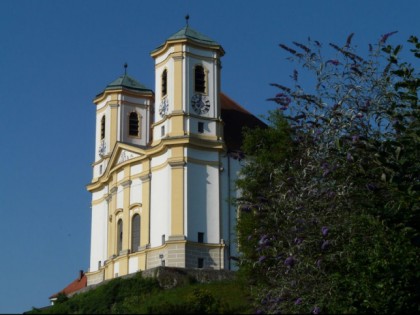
{"points": [[134, 124], [200, 79], [119, 236], [135, 233], [103, 127], [164, 82]]}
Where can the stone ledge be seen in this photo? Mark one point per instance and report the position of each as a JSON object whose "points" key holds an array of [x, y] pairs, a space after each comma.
{"points": [[170, 277]]}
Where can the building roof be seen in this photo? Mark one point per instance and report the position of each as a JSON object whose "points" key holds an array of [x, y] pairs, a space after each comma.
{"points": [[73, 287], [187, 33], [125, 81], [235, 118]]}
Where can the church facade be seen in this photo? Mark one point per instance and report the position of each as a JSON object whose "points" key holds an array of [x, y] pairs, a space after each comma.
{"points": [[165, 165]]}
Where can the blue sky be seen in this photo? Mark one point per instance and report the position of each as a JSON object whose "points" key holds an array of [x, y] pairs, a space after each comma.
{"points": [[55, 56]]}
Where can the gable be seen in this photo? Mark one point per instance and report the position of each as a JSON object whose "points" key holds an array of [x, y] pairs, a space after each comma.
{"points": [[122, 153], [126, 155]]}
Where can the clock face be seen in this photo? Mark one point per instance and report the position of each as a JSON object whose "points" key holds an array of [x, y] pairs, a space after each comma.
{"points": [[163, 108], [200, 104], [102, 148]]}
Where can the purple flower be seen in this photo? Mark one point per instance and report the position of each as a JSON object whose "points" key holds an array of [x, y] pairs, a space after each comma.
{"points": [[324, 231], [385, 37], [349, 40], [295, 75], [282, 99], [325, 245], [316, 310], [371, 187], [349, 157], [326, 167], [359, 115], [335, 62], [355, 138], [330, 194], [298, 301], [318, 263], [290, 261], [261, 259], [264, 241]]}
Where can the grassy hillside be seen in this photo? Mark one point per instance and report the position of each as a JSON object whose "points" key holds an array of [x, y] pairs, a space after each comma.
{"points": [[139, 295]]}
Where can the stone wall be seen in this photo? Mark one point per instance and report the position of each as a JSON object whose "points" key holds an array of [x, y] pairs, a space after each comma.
{"points": [[170, 277]]}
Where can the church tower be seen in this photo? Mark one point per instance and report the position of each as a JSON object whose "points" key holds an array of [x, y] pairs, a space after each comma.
{"points": [[164, 172], [188, 133]]}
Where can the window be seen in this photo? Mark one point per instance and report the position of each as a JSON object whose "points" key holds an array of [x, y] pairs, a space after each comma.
{"points": [[103, 127], [134, 124], [135, 233], [162, 131], [119, 236], [200, 127], [200, 79], [164, 82], [163, 239], [200, 263], [200, 237]]}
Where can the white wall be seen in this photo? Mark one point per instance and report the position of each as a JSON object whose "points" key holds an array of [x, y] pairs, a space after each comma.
{"points": [[203, 202], [98, 246], [136, 169], [120, 197], [160, 215], [99, 114], [133, 264], [136, 193], [169, 66]]}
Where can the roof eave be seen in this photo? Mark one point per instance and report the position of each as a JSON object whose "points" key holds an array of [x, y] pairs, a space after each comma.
{"points": [[121, 89], [199, 44]]}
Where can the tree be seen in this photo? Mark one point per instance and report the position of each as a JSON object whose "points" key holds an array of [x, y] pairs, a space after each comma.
{"points": [[331, 223]]}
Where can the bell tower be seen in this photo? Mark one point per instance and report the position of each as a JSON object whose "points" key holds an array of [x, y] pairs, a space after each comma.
{"points": [[187, 76], [188, 141], [123, 114]]}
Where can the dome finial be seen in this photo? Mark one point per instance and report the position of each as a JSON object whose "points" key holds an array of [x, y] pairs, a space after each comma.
{"points": [[187, 17], [125, 68]]}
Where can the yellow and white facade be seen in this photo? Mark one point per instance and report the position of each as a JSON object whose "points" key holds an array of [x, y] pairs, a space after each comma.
{"points": [[163, 175]]}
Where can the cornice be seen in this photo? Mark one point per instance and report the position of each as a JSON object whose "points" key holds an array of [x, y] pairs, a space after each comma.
{"points": [[157, 148]]}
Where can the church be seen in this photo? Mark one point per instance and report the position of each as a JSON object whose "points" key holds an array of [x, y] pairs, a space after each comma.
{"points": [[165, 165]]}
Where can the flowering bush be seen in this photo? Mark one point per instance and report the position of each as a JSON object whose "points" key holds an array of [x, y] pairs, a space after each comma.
{"points": [[332, 187]]}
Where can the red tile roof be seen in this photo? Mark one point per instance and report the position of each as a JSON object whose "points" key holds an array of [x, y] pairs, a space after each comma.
{"points": [[235, 117], [75, 286]]}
